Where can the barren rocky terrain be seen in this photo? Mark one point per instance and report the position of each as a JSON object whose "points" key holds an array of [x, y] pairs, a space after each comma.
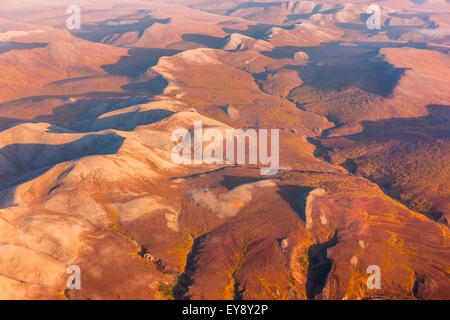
{"points": [[86, 171]]}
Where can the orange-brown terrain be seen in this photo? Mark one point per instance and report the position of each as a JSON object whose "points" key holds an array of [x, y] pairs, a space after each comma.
{"points": [[86, 170]]}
